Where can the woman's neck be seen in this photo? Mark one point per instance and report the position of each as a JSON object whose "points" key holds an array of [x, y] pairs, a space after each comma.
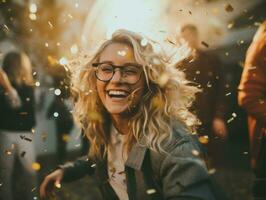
{"points": [[120, 123]]}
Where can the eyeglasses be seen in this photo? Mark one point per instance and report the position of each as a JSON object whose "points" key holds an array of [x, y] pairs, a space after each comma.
{"points": [[130, 72]]}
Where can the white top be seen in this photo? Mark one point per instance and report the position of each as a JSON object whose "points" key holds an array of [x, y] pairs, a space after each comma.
{"points": [[116, 164]]}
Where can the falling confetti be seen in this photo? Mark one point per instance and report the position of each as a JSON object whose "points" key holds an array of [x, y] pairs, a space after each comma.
{"points": [[195, 152], [205, 44], [163, 79], [121, 53], [50, 24], [230, 25], [56, 114], [8, 152], [212, 171], [65, 137], [228, 8], [93, 165], [36, 166], [22, 154], [44, 136], [57, 92], [151, 191], [57, 185], [144, 42], [204, 139], [23, 137], [227, 94]]}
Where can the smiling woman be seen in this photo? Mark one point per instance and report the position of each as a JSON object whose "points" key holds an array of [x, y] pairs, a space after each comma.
{"points": [[138, 125]]}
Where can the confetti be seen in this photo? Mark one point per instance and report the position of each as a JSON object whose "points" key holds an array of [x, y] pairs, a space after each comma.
{"points": [[65, 137], [8, 152], [212, 171], [195, 152], [33, 8], [56, 114], [144, 42], [36, 166], [57, 185], [228, 8], [230, 25], [44, 136], [57, 92], [121, 53], [63, 61], [230, 120], [23, 137], [163, 79], [150, 191], [227, 94], [234, 114], [37, 83], [93, 165], [205, 44], [50, 24], [204, 139], [22, 154], [74, 49]]}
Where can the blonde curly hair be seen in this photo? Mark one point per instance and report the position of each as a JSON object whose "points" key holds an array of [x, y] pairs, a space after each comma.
{"points": [[168, 98]]}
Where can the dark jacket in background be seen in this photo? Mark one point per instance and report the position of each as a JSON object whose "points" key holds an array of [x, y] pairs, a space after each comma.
{"points": [[179, 174], [18, 119], [205, 70]]}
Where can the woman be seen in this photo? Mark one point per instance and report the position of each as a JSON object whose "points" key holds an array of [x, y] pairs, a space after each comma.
{"points": [[17, 115], [133, 107]]}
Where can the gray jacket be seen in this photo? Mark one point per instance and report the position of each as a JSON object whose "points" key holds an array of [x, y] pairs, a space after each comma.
{"points": [[179, 174]]}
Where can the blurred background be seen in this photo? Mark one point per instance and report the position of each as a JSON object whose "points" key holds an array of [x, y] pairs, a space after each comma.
{"points": [[52, 32]]}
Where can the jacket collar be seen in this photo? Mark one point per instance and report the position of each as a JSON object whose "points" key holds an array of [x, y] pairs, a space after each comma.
{"points": [[136, 155]]}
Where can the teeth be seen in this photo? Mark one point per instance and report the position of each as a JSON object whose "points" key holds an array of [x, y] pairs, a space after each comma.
{"points": [[116, 92]]}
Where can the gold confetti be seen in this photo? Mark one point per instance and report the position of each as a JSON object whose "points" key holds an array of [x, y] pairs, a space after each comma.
{"points": [[157, 102], [65, 137], [204, 139], [228, 7], [94, 116], [36, 166], [50, 24], [8, 152], [230, 25], [44, 136], [121, 53], [212, 171], [163, 79]]}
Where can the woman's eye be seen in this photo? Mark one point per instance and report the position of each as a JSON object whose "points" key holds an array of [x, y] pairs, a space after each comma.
{"points": [[131, 71], [107, 68]]}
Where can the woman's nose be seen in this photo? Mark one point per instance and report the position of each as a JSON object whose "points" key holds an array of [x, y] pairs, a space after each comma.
{"points": [[117, 77]]}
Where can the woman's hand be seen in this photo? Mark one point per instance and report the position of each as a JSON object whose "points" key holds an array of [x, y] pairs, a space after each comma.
{"points": [[4, 81], [51, 181], [219, 128]]}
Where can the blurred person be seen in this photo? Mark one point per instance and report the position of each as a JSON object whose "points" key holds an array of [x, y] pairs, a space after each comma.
{"points": [[61, 105], [17, 113], [252, 97], [138, 128], [205, 70]]}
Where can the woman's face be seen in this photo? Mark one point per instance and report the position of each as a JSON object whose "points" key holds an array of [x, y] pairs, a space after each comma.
{"points": [[119, 96]]}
